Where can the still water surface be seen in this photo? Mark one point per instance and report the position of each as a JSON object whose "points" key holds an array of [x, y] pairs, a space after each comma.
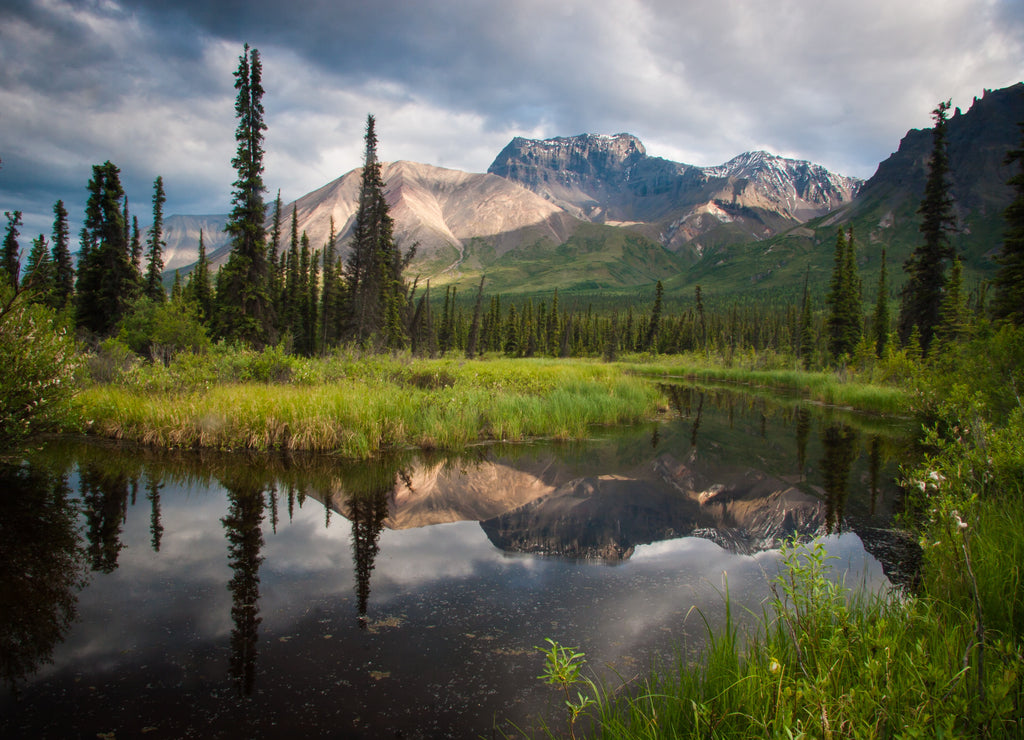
{"points": [[215, 595]]}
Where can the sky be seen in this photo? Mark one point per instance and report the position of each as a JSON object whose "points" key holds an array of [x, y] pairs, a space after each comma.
{"points": [[148, 84]]}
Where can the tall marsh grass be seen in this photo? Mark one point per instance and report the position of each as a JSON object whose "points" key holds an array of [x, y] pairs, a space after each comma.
{"points": [[360, 407], [828, 663]]}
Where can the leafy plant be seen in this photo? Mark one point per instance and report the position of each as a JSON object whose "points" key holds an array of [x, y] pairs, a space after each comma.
{"points": [[38, 360], [562, 666]]}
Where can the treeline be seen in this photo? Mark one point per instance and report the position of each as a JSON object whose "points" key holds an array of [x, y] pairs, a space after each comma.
{"points": [[278, 289]]}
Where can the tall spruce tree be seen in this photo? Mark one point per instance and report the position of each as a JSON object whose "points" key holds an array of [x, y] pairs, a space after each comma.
{"points": [[474, 327], [1008, 302], [154, 286], [844, 298], [63, 268], [926, 266], [377, 292], [107, 279], [880, 319], [954, 317], [39, 270], [806, 338], [276, 263], [650, 339], [200, 289], [10, 260], [331, 295], [245, 309]]}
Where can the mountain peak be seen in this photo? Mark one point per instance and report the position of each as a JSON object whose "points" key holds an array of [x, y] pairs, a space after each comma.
{"points": [[611, 179]]}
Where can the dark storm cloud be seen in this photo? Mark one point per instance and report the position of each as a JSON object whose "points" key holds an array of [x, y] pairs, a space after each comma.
{"points": [[147, 83]]}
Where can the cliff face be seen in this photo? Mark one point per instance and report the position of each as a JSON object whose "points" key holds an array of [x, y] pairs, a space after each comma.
{"points": [[611, 179], [977, 143]]}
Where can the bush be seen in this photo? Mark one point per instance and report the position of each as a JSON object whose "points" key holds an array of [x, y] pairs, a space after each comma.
{"points": [[37, 355], [162, 330]]}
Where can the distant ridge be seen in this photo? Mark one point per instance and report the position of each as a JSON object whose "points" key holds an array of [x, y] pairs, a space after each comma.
{"points": [[688, 209]]}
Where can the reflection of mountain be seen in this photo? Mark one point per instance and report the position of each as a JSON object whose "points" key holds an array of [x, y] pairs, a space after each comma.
{"points": [[460, 491], [606, 517]]}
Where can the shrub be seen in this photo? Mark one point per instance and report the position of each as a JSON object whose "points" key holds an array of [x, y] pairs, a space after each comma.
{"points": [[37, 355]]}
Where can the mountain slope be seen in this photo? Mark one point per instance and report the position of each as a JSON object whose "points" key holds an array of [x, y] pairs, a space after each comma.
{"points": [[462, 225]]}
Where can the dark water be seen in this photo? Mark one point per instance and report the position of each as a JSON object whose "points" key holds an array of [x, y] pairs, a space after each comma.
{"points": [[167, 595]]}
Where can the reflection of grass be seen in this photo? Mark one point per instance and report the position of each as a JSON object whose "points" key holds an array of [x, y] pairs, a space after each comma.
{"points": [[824, 387], [362, 410]]}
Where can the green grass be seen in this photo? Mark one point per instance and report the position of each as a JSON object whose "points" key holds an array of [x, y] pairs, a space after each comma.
{"points": [[840, 388], [360, 408], [826, 663]]}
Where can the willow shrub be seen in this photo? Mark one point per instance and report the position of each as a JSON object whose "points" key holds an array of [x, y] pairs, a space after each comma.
{"points": [[38, 361]]}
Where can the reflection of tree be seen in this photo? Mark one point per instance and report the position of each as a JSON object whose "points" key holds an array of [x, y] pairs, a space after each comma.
{"points": [[245, 540], [369, 490], [840, 450], [105, 499], [44, 566], [696, 421], [874, 468], [803, 430], [156, 528]]}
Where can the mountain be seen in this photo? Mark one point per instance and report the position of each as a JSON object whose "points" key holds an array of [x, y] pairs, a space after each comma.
{"points": [[884, 212], [462, 225], [596, 212], [551, 213], [978, 142], [688, 209], [181, 234]]}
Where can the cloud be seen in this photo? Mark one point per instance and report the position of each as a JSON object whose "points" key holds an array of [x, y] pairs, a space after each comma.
{"points": [[148, 85]]}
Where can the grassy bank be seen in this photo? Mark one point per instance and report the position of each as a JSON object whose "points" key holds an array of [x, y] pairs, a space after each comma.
{"points": [[866, 391], [359, 406]]}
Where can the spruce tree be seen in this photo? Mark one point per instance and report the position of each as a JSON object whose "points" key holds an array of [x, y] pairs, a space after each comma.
{"points": [[376, 289], [1008, 302], [138, 281], [844, 298], [332, 297], [954, 318], [39, 270], [290, 296], [107, 279], [806, 341], [63, 268], [926, 266], [702, 327], [245, 309], [154, 287], [474, 327], [10, 260], [200, 289], [880, 320], [650, 340], [276, 262]]}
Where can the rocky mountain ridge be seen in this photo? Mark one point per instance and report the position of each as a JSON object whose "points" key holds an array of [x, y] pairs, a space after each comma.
{"points": [[612, 180]]}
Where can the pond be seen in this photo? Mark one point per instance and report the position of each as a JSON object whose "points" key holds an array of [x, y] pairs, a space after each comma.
{"points": [[187, 594]]}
